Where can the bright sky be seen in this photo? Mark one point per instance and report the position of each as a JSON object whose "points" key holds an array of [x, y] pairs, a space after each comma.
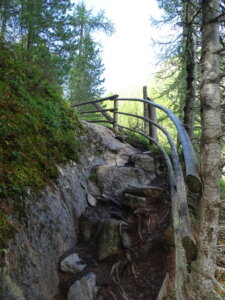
{"points": [[127, 55]]}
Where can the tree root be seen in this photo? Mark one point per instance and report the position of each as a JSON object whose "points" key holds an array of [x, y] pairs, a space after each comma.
{"points": [[139, 229], [220, 286], [217, 295], [113, 295]]}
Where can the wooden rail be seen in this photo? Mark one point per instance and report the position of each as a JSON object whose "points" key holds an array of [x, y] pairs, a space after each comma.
{"points": [[184, 240], [192, 177]]}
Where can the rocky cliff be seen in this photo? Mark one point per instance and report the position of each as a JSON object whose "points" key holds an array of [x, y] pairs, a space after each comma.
{"points": [[103, 210]]}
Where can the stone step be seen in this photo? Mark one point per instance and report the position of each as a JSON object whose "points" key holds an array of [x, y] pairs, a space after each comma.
{"points": [[113, 180], [144, 191], [143, 161], [134, 202]]}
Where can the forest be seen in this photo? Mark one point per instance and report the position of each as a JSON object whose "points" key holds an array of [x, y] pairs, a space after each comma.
{"points": [[51, 61]]}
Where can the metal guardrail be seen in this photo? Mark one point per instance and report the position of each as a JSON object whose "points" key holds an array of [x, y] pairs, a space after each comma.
{"points": [[181, 219]]}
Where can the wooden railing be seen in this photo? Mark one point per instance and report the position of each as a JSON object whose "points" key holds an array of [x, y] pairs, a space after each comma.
{"points": [[192, 176], [184, 240]]}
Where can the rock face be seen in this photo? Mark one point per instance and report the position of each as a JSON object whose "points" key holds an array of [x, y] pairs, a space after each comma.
{"points": [[107, 169], [51, 224]]}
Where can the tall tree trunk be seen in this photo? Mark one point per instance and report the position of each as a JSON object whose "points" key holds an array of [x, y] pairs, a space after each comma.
{"points": [[30, 37], [203, 269], [4, 8], [189, 11]]}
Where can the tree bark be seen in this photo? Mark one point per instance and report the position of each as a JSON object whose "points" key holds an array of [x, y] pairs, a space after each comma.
{"points": [[4, 7], [189, 8], [203, 270]]}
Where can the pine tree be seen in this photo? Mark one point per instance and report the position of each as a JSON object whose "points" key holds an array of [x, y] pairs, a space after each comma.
{"points": [[86, 72], [86, 80], [180, 55]]}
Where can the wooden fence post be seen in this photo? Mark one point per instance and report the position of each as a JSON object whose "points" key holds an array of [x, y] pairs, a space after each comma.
{"points": [[115, 116], [150, 113], [146, 124]]}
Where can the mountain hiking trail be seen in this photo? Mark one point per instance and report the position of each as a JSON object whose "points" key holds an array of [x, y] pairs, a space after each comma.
{"points": [[125, 245]]}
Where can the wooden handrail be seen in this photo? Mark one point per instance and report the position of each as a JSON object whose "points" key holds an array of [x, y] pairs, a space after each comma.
{"points": [[95, 101], [100, 121], [192, 177], [97, 111]]}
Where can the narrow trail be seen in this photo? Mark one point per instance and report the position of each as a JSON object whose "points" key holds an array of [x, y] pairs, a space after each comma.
{"points": [[124, 243]]}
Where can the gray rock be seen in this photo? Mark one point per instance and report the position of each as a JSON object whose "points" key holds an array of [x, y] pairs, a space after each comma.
{"points": [[133, 202], [91, 200], [115, 151], [84, 289], [51, 216], [72, 263], [87, 227], [109, 242], [114, 180], [144, 161]]}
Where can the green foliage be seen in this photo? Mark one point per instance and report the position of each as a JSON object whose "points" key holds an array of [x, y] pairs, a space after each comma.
{"points": [[38, 130], [40, 24], [93, 177], [137, 140], [86, 72], [85, 80]]}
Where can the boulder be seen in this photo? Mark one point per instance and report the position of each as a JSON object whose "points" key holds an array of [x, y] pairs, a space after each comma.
{"points": [[144, 162], [84, 289], [114, 151], [113, 180], [72, 263], [109, 241]]}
